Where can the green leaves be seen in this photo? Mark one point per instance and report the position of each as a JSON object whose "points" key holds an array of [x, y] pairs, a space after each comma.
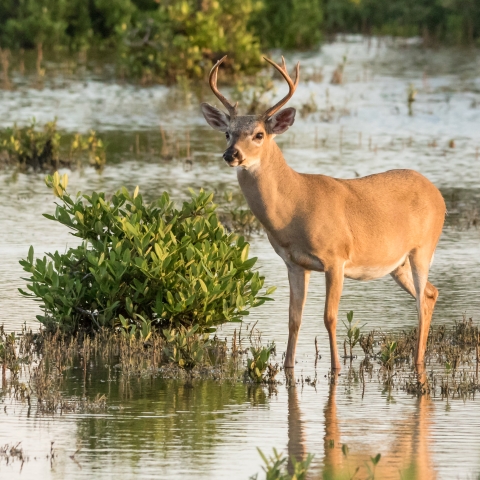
{"points": [[45, 148], [185, 346], [172, 267], [388, 354], [258, 364], [353, 332], [276, 467]]}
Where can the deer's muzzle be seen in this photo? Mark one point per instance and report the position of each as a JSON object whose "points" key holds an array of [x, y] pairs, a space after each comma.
{"points": [[232, 156]]}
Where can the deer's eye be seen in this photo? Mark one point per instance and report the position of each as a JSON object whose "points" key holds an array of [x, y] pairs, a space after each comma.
{"points": [[227, 135], [259, 136]]}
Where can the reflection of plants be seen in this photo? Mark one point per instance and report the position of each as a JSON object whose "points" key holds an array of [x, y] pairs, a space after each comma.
{"points": [[145, 262], [185, 347], [259, 364], [353, 332], [276, 467]]}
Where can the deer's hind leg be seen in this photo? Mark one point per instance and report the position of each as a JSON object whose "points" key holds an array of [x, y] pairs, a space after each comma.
{"points": [[412, 277]]}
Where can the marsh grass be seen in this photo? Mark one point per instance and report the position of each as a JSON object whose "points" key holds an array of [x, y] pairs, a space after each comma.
{"points": [[12, 453], [37, 367], [452, 361]]}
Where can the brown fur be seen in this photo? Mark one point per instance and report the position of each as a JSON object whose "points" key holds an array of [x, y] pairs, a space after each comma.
{"points": [[361, 228]]}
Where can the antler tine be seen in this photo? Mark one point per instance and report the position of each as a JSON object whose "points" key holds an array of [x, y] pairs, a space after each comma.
{"points": [[291, 84], [232, 109]]}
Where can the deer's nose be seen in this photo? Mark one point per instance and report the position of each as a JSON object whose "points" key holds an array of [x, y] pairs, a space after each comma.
{"points": [[230, 154]]}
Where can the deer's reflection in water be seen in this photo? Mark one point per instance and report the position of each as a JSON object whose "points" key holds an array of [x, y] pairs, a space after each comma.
{"points": [[296, 429], [406, 454]]}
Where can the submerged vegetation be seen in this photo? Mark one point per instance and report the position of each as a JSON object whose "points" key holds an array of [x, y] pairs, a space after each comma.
{"points": [[142, 266]]}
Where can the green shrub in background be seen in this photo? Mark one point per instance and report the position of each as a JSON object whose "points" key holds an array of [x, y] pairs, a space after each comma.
{"points": [[289, 24], [184, 38], [450, 21], [162, 41], [142, 264], [46, 149]]}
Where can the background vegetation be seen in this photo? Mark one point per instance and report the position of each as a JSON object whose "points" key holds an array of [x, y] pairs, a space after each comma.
{"points": [[157, 40]]}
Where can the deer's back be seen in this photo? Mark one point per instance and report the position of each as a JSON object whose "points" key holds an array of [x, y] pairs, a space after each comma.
{"points": [[372, 219]]}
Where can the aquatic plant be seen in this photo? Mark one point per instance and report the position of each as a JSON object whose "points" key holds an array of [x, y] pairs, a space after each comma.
{"points": [[259, 364], [185, 347], [353, 332], [146, 262], [388, 354], [276, 467], [46, 149]]}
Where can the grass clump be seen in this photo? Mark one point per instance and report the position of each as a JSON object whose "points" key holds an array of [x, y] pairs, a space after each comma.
{"points": [[148, 265]]}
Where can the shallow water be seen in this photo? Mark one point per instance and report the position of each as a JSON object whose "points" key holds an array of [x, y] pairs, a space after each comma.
{"points": [[165, 429]]}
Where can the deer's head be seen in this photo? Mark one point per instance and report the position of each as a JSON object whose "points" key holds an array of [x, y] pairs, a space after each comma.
{"points": [[248, 135]]}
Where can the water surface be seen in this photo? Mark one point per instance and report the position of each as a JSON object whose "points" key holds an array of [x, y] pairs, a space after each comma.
{"points": [[163, 428]]}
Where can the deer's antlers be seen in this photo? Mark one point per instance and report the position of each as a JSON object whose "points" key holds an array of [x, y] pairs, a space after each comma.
{"points": [[291, 84], [232, 109]]}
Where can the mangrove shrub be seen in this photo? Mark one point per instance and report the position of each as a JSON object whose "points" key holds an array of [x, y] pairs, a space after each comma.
{"points": [[142, 264], [46, 149]]}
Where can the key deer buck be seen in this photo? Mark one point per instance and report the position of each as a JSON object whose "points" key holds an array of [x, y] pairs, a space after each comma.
{"points": [[362, 228]]}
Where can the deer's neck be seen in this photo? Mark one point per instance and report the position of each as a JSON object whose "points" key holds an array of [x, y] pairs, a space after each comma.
{"points": [[268, 189]]}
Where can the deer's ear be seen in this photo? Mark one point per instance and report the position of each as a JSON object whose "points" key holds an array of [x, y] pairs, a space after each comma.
{"points": [[280, 122], [215, 117]]}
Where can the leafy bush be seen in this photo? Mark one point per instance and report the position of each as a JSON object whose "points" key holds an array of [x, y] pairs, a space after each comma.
{"points": [[42, 149], [289, 24], [183, 38], [258, 364], [185, 347], [144, 262]]}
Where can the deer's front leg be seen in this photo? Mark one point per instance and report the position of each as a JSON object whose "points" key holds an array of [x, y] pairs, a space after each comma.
{"points": [[334, 284], [298, 278]]}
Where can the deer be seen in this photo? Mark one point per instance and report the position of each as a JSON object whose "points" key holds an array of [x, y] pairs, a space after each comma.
{"points": [[362, 228]]}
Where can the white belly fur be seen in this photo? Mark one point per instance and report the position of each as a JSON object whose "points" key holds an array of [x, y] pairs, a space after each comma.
{"points": [[370, 272]]}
